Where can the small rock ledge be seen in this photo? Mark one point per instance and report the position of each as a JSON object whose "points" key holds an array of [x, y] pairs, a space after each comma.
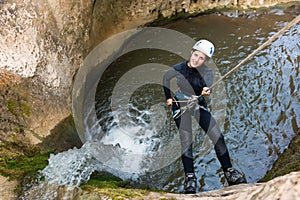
{"points": [[284, 187]]}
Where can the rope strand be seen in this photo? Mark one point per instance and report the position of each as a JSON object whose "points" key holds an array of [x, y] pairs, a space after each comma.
{"points": [[269, 41]]}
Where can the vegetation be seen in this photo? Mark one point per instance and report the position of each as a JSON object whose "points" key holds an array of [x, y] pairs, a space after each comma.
{"points": [[18, 108], [21, 162], [288, 161], [112, 187]]}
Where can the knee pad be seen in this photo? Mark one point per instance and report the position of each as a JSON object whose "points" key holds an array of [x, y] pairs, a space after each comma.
{"points": [[188, 152], [220, 146]]}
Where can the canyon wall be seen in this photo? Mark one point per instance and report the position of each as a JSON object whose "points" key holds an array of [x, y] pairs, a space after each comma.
{"points": [[44, 42]]}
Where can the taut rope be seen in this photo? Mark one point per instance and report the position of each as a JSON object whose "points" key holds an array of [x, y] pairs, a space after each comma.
{"points": [[269, 41]]}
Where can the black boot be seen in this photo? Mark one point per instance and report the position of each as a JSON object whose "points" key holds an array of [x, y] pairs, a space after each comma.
{"points": [[234, 177], [190, 183]]}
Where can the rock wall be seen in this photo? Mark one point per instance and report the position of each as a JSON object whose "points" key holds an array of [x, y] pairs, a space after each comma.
{"points": [[43, 42], [124, 15]]}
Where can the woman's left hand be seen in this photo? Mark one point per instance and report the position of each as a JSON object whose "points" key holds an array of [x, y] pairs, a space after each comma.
{"points": [[205, 91]]}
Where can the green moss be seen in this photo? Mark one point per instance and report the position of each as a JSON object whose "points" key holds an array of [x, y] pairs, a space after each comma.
{"points": [[102, 179], [18, 167], [18, 108], [12, 107], [288, 161], [25, 109], [18, 159], [112, 187], [21, 162]]}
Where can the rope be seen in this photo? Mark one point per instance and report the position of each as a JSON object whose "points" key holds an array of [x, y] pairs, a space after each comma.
{"points": [[269, 41], [264, 45]]}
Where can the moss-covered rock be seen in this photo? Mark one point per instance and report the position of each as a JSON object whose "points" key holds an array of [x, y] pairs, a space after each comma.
{"points": [[20, 161], [288, 161], [104, 184]]}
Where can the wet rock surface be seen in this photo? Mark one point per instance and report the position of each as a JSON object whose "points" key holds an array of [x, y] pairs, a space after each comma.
{"points": [[283, 187]]}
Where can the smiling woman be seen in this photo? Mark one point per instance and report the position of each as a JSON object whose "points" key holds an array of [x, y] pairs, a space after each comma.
{"points": [[245, 131], [191, 83]]}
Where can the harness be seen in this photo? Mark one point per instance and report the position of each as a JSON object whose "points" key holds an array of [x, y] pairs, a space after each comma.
{"points": [[191, 103]]}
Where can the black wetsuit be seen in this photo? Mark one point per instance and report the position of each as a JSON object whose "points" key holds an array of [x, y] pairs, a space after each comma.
{"points": [[191, 82]]}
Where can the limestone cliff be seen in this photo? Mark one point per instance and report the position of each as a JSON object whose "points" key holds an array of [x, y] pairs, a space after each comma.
{"points": [[44, 42]]}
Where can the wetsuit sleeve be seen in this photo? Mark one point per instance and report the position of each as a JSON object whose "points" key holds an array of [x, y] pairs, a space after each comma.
{"points": [[171, 73]]}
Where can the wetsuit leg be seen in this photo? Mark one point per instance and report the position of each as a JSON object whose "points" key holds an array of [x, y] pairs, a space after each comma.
{"points": [[209, 125], [184, 124]]}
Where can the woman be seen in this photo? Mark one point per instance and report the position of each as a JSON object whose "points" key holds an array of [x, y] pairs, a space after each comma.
{"points": [[191, 84]]}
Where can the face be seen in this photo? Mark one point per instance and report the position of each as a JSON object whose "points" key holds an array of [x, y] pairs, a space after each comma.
{"points": [[197, 59]]}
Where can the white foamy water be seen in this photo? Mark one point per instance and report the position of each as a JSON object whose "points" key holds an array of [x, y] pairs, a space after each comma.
{"points": [[126, 150], [126, 138]]}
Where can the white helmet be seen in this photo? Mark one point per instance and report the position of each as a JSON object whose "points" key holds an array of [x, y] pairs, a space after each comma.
{"points": [[205, 47]]}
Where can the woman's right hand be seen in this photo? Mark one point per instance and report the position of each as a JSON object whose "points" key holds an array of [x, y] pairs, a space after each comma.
{"points": [[205, 91], [169, 102]]}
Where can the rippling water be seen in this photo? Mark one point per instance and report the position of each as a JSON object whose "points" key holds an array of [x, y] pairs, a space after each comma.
{"points": [[262, 97], [257, 107]]}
